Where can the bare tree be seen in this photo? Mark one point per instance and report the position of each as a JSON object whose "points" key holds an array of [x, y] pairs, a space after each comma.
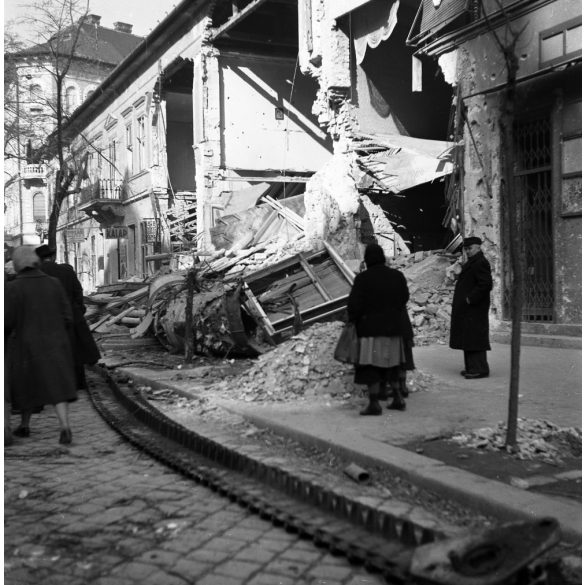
{"points": [[59, 26], [507, 40]]}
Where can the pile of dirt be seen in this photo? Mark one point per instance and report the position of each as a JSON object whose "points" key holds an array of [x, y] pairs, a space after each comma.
{"points": [[431, 293], [302, 368], [537, 439]]}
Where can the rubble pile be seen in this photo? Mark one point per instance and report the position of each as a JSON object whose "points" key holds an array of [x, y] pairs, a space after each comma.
{"points": [[431, 293], [537, 439], [303, 367]]}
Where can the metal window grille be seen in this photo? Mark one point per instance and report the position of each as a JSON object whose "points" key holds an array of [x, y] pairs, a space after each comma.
{"points": [[533, 182]]}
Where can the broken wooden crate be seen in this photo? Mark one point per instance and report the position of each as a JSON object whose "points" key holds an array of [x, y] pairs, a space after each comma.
{"points": [[297, 292]]}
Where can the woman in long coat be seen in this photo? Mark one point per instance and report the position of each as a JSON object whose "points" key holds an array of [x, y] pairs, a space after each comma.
{"points": [[377, 305], [40, 367]]}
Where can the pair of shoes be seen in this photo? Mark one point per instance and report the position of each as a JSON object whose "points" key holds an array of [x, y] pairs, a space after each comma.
{"points": [[22, 432], [65, 437], [397, 405], [371, 409], [463, 372], [471, 376]]}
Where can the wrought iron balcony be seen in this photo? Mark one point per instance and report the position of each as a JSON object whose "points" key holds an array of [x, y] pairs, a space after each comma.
{"points": [[102, 190], [102, 200], [29, 172]]}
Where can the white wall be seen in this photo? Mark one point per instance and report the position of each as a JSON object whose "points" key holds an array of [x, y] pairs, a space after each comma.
{"points": [[253, 139]]}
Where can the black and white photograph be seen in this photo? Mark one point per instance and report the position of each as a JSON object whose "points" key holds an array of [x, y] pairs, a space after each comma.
{"points": [[292, 292]]}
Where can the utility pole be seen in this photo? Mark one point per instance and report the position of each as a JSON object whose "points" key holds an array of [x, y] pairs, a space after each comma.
{"points": [[18, 155]]}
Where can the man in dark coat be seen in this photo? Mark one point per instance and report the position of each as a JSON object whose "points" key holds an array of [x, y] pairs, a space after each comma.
{"points": [[85, 348], [39, 359], [470, 311]]}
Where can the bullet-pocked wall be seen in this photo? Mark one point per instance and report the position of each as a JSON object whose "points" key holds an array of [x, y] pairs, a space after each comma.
{"points": [[547, 164]]}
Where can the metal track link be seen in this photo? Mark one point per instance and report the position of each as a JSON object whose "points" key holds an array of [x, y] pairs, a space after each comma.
{"points": [[376, 553], [383, 543]]}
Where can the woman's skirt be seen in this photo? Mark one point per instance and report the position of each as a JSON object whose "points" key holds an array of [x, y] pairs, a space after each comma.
{"points": [[381, 359]]}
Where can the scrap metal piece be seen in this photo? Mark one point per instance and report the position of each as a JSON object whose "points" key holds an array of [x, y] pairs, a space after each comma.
{"points": [[357, 473], [489, 558]]}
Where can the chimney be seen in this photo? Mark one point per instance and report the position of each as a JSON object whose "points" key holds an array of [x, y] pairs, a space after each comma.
{"points": [[93, 19], [123, 27]]}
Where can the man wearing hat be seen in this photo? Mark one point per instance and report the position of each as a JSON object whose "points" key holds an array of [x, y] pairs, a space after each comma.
{"points": [[85, 348], [470, 310]]}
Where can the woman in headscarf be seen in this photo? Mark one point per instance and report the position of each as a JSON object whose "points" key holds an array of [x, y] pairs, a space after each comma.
{"points": [[377, 305], [39, 357]]}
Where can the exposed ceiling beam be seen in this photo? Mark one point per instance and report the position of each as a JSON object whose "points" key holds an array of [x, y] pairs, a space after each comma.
{"points": [[261, 38], [237, 18]]}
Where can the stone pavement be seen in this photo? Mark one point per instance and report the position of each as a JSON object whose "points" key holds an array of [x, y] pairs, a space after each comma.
{"points": [[101, 512], [550, 389]]}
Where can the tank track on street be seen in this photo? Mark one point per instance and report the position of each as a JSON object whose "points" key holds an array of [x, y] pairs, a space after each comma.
{"points": [[382, 542]]}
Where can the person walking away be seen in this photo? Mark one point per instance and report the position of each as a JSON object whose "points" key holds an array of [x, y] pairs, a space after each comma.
{"points": [[376, 304], [470, 310], [85, 349], [39, 357]]}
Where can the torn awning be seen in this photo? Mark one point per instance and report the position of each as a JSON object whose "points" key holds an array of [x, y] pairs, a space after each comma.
{"points": [[396, 163], [372, 24]]}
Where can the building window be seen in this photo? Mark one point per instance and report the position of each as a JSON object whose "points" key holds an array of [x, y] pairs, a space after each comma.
{"points": [[561, 43], [141, 142], [89, 91], [70, 98], [39, 212], [129, 157], [112, 159]]}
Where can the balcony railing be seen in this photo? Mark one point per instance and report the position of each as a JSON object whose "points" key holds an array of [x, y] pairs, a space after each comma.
{"points": [[107, 189], [34, 172]]}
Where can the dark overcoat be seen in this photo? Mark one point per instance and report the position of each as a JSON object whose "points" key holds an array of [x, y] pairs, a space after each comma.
{"points": [[470, 320], [377, 303], [39, 357], [84, 346]]}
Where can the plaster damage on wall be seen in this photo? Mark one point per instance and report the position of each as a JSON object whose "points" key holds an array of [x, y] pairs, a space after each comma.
{"points": [[482, 175]]}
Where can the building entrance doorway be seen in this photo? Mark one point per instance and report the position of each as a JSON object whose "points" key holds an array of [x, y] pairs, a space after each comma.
{"points": [[533, 183]]}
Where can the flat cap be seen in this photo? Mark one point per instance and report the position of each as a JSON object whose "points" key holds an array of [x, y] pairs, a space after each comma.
{"points": [[469, 241], [45, 251]]}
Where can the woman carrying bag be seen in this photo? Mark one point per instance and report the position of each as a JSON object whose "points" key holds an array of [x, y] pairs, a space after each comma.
{"points": [[377, 307]]}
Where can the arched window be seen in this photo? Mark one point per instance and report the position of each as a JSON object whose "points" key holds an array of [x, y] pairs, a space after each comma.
{"points": [[36, 93], [39, 212], [70, 98], [89, 91]]}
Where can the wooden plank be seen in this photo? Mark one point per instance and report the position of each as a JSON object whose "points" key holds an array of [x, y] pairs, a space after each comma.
{"points": [[343, 267], [282, 265], [236, 18], [121, 315], [256, 308], [294, 218], [312, 313], [133, 296], [143, 326], [314, 278], [98, 323]]}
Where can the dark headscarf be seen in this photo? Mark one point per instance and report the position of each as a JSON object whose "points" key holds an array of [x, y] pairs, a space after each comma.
{"points": [[374, 255]]}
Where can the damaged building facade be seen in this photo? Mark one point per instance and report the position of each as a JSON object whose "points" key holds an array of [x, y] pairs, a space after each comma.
{"points": [[206, 116], [344, 121], [408, 74]]}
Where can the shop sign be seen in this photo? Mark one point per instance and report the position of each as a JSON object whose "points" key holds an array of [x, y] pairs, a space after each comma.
{"points": [[116, 232], [75, 235]]}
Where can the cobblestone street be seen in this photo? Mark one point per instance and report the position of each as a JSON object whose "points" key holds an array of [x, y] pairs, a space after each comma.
{"points": [[101, 512]]}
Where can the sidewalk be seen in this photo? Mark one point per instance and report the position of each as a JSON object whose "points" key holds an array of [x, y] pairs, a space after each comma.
{"points": [[550, 389]]}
